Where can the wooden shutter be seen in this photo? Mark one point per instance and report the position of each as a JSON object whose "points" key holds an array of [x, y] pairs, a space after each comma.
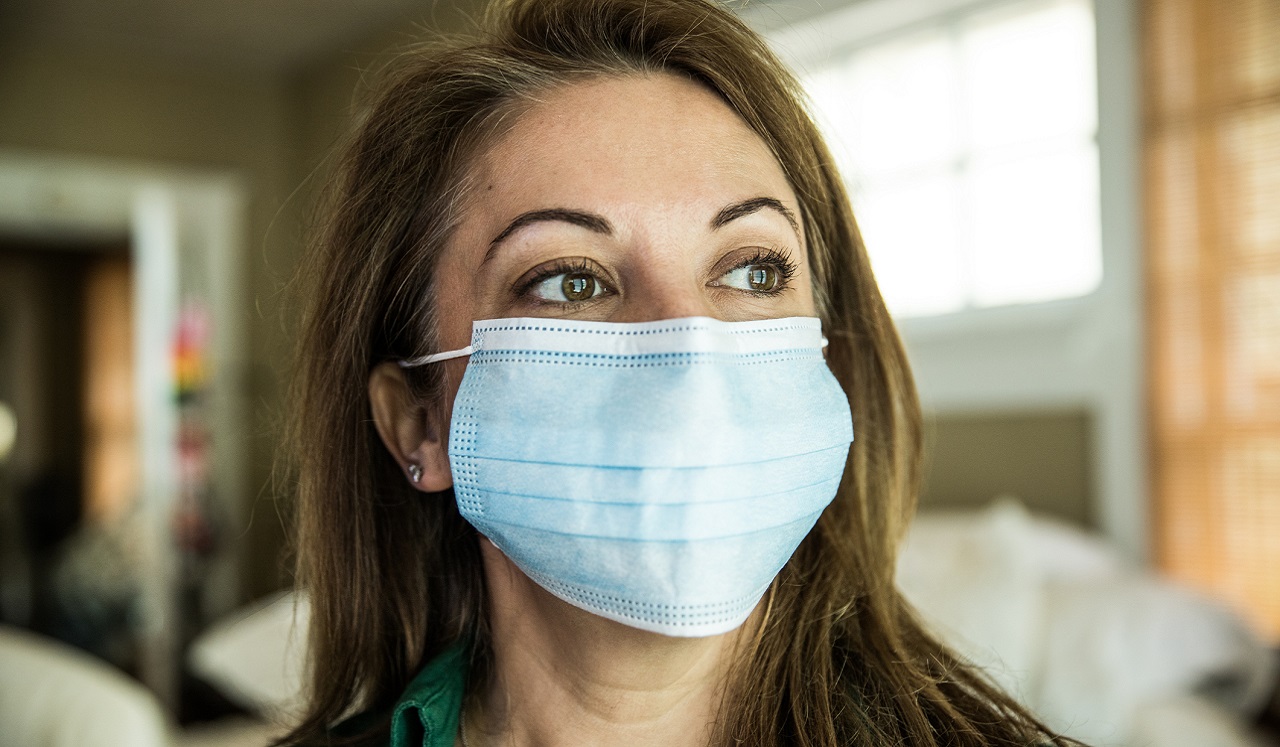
{"points": [[1212, 149]]}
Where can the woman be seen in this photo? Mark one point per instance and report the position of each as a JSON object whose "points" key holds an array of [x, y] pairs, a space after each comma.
{"points": [[575, 461]]}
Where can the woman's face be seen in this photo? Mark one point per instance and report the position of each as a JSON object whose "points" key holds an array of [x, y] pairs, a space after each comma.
{"points": [[625, 199]]}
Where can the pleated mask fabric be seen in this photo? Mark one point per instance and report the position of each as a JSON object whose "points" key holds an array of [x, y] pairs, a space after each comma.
{"points": [[659, 474]]}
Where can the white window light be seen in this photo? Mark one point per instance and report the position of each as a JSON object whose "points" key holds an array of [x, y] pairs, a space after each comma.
{"points": [[969, 143]]}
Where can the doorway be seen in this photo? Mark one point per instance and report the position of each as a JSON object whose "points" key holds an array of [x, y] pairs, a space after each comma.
{"points": [[69, 477], [122, 369]]}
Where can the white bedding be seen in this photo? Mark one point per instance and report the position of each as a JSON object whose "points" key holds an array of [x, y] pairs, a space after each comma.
{"points": [[1097, 648], [53, 695]]}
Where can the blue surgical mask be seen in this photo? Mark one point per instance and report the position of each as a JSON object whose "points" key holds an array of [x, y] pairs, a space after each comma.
{"points": [[659, 474]]}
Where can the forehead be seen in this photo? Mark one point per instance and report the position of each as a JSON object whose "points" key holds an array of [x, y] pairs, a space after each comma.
{"points": [[624, 144]]}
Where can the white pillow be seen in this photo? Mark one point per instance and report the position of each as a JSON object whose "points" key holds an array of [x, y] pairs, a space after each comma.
{"points": [[1067, 553], [975, 580], [1112, 646], [1064, 623], [256, 656], [1188, 721], [53, 695]]}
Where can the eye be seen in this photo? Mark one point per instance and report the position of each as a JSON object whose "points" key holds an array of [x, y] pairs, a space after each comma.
{"points": [[767, 272], [567, 287], [759, 278]]}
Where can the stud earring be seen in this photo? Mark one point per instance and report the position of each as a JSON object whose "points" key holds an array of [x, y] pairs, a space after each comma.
{"points": [[415, 473]]}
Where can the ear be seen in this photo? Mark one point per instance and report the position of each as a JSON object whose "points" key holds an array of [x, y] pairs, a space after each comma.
{"points": [[410, 432]]}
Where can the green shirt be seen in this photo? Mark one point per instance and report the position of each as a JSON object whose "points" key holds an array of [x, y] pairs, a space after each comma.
{"points": [[427, 713]]}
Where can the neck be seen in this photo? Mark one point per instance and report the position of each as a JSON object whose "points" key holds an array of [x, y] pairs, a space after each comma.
{"points": [[565, 676]]}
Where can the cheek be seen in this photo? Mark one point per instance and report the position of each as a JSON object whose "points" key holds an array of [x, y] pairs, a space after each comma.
{"points": [[810, 295], [454, 299], [453, 373], [454, 310], [806, 288]]}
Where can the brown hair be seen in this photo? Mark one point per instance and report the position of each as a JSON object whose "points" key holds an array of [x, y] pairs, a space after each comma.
{"points": [[395, 578]]}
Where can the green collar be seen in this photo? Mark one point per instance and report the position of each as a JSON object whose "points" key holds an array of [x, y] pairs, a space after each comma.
{"points": [[427, 713]]}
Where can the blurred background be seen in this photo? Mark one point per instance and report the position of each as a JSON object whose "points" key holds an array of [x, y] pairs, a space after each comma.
{"points": [[1072, 207]]}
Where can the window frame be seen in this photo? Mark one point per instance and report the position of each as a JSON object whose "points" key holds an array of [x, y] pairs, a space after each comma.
{"points": [[1087, 351]]}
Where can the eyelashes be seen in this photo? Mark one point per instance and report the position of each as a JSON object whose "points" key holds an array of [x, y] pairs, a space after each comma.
{"points": [[524, 288], [782, 263], [774, 261]]}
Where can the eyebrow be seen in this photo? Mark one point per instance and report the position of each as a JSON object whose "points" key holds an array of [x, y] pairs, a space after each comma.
{"points": [[589, 221], [600, 225], [753, 205]]}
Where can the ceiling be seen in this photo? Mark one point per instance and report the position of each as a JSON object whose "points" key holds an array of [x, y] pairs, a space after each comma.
{"points": [[269, 36]]}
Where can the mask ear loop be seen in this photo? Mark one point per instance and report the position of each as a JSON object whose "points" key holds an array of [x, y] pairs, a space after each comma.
{"points": [[436, 357]]}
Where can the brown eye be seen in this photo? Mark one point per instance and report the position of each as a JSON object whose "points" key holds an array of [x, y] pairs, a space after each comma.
{"points": [[578, 286], [762, 277], [567, 285], [766, 273]]}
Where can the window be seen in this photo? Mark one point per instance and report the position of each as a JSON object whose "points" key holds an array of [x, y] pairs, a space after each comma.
{"points": [[970, 146], [1212, 146]]}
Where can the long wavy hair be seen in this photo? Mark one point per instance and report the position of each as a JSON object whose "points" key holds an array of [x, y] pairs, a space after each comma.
{"points": [[395, 576]]}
